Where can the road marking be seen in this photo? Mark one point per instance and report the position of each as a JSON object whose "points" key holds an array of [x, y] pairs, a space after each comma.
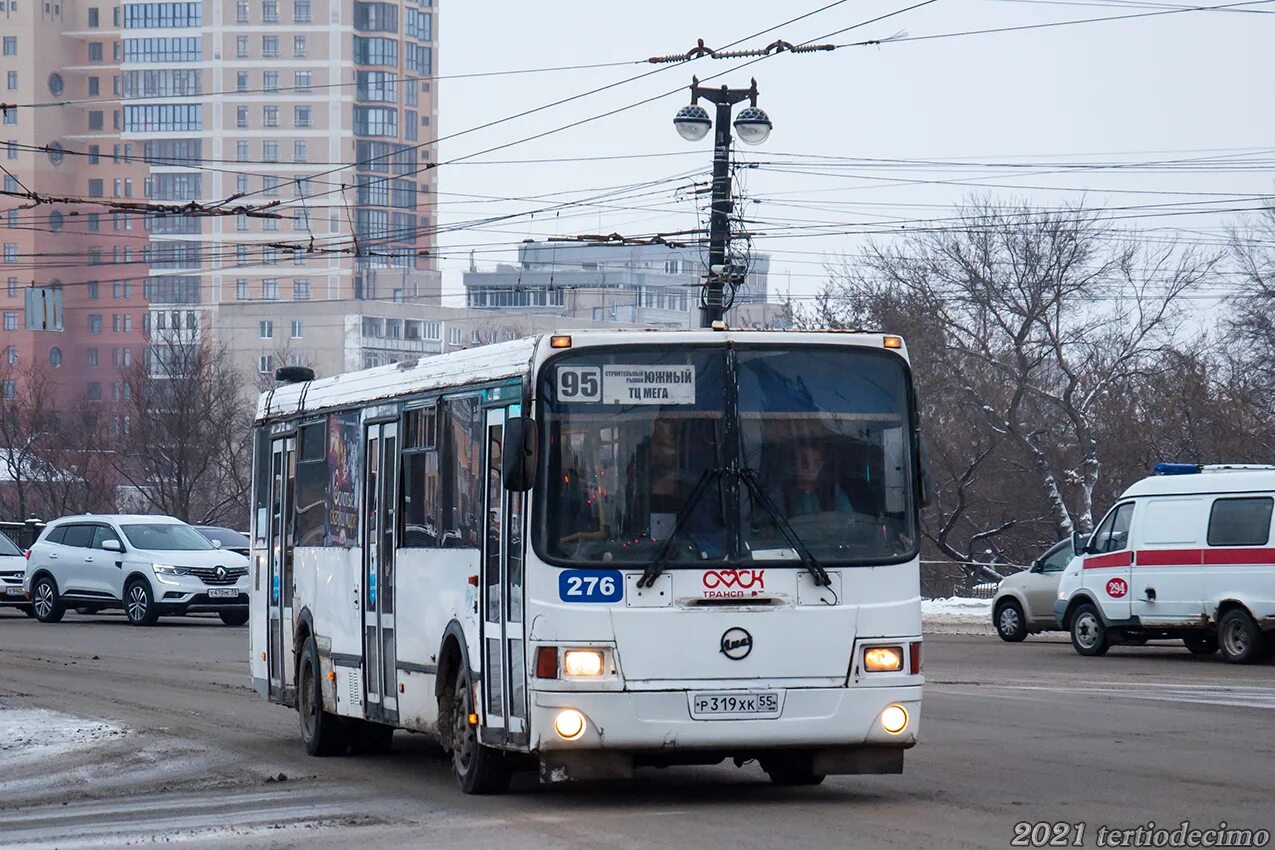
{"points": [[1234, 696]]}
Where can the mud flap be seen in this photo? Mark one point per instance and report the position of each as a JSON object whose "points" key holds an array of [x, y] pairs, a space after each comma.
{"points": [[861, 760]]}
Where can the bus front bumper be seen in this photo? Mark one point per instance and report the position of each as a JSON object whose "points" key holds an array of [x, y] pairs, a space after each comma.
{"points": [[844, 725]]}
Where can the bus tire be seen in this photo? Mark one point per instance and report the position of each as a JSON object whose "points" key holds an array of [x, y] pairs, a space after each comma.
{"points": [[1088, 631], [1240, 638], [478, 769], [791, 769], [323, 734]]}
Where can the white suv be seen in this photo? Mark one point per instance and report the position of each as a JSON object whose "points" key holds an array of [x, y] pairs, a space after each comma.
{"points": [[147, 565], [12, 569]]}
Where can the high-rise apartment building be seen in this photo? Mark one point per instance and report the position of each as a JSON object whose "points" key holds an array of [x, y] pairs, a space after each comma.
{"points": [[224, 151]]}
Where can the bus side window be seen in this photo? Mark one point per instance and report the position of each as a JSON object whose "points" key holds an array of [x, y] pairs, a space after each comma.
{"points": [[419, 494], [460, 471], [310, 504]]}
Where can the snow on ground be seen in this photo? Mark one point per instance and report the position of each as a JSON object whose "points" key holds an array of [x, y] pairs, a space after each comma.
{"points": [[956, 609], [27, 734]]}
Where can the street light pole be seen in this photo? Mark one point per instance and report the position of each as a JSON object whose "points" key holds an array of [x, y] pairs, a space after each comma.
{"points": [[753, 126]]}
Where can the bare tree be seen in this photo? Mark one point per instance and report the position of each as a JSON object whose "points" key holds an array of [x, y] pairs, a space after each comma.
{"points": [[1023, 326], [184, 443]]}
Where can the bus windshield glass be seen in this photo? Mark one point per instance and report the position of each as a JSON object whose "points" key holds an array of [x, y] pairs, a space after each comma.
{"points": [[724, 452]]}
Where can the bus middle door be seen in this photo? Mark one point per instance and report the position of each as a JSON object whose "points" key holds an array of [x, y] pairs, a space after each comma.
{"points": [[283, 476], [380, 501]]}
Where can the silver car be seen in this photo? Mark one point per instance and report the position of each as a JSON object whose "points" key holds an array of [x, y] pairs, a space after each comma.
{"points": [[1024, 602]]}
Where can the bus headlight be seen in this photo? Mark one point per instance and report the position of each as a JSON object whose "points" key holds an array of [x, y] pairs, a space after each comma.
{"points": [[583, 662], [894, 719], [569, 724], [883, 659]]}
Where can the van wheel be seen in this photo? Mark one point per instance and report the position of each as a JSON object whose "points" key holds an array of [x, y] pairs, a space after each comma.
{"points": [[478, 769], [1240, 638], [1201, 643], [790, 769], [139, 603], [322, 733], [1088, 633], [1011, 625], [45, 601]]}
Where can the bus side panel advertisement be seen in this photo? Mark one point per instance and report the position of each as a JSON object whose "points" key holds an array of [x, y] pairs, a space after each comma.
{"points": [[343, 480]]}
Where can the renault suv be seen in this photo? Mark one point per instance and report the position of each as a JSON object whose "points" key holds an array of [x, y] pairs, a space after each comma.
{"points": [[12, 570], [147, 565]]}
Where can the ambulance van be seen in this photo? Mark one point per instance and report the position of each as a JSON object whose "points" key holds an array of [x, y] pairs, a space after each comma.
{"points": [[1184, 554]]}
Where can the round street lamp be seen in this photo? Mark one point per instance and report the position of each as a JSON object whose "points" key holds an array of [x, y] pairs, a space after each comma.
{"points": [[692, 122], [753, 125]]}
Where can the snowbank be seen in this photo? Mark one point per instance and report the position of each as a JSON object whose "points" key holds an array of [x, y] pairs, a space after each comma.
{"points": [[956, 609], [27, 734]]}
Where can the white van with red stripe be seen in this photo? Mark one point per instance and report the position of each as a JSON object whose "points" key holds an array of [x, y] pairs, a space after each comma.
{"points": [[1184, 554]]}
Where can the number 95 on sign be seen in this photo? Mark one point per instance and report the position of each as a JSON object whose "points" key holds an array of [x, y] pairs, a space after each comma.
{"points": [[590, 586]]}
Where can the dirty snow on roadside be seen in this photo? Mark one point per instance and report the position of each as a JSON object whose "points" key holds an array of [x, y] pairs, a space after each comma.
{"points": [[956, 609], [28, 734]]}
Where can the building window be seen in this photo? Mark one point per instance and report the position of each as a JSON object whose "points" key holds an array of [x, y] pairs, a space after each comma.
{"points": [[270, 289], [298, 45], [95, 86], [301, 115], [95, 119], [12, 80], [11, 252], [161, 15], [270, 46], [453, 336], [375, 121], [95, 323], [241, 117], [301, 80], [270, 80], [270, 186], [265, 329], [241, 47], [95, 51], [265, 364], [10, 45], [241, 151], [411, 127], [300, 292], [375, 51], [241, 289], [377, 86], [270, 116], [11, 355], [417, 24], [9, 389], [160, 50], [241, 11], [418, 59], [92, 356], [298, 329], [270, 11], [270, 151], [10, 321], [163, 117], [301, 11], [94, 391], [298, 151], [241, 81]]}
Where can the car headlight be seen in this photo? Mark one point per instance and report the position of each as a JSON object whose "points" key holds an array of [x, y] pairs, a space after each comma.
{"points": [[883, 659], [168, 570]]}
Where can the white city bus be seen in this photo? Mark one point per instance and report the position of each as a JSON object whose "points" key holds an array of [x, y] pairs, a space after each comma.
{"points": [[596, 552]]}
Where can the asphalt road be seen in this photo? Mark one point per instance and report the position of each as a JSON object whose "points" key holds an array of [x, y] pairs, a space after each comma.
{"points": [[171, 744]]}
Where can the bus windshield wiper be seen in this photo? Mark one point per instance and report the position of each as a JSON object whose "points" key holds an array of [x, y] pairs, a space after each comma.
{"points": [[660, 563], [817, 571]]}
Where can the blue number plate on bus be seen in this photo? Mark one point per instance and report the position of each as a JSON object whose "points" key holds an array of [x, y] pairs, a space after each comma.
{"points": [[590, 586]]}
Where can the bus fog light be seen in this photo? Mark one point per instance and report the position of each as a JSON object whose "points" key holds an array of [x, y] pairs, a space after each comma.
{"points": [[894, 719], [583, 662], [882, 659], [569, 724]]}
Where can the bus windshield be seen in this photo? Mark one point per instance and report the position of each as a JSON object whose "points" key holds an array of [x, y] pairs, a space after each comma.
{"points": [[645, 445]]}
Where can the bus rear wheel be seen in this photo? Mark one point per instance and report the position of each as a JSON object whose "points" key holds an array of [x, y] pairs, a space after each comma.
{"points": [[478, 769]]}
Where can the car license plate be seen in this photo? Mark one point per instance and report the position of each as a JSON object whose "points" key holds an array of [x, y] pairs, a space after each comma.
{"points": [[712, 704], [223, 593], [14, 591]]}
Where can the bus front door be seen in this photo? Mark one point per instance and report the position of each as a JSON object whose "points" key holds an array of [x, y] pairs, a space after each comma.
{"points": [[283, 476], [504, 660], [380, 523]]}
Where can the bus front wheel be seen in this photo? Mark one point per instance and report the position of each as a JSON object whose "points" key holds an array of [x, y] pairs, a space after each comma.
{"points": [[322, 733], [478, 769]]}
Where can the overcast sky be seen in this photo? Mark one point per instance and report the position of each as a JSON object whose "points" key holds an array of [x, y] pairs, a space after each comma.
{"points": [[1173, 87]]}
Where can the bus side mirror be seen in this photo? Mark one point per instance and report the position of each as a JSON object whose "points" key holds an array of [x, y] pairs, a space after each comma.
{"points": [[519, 462]]}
